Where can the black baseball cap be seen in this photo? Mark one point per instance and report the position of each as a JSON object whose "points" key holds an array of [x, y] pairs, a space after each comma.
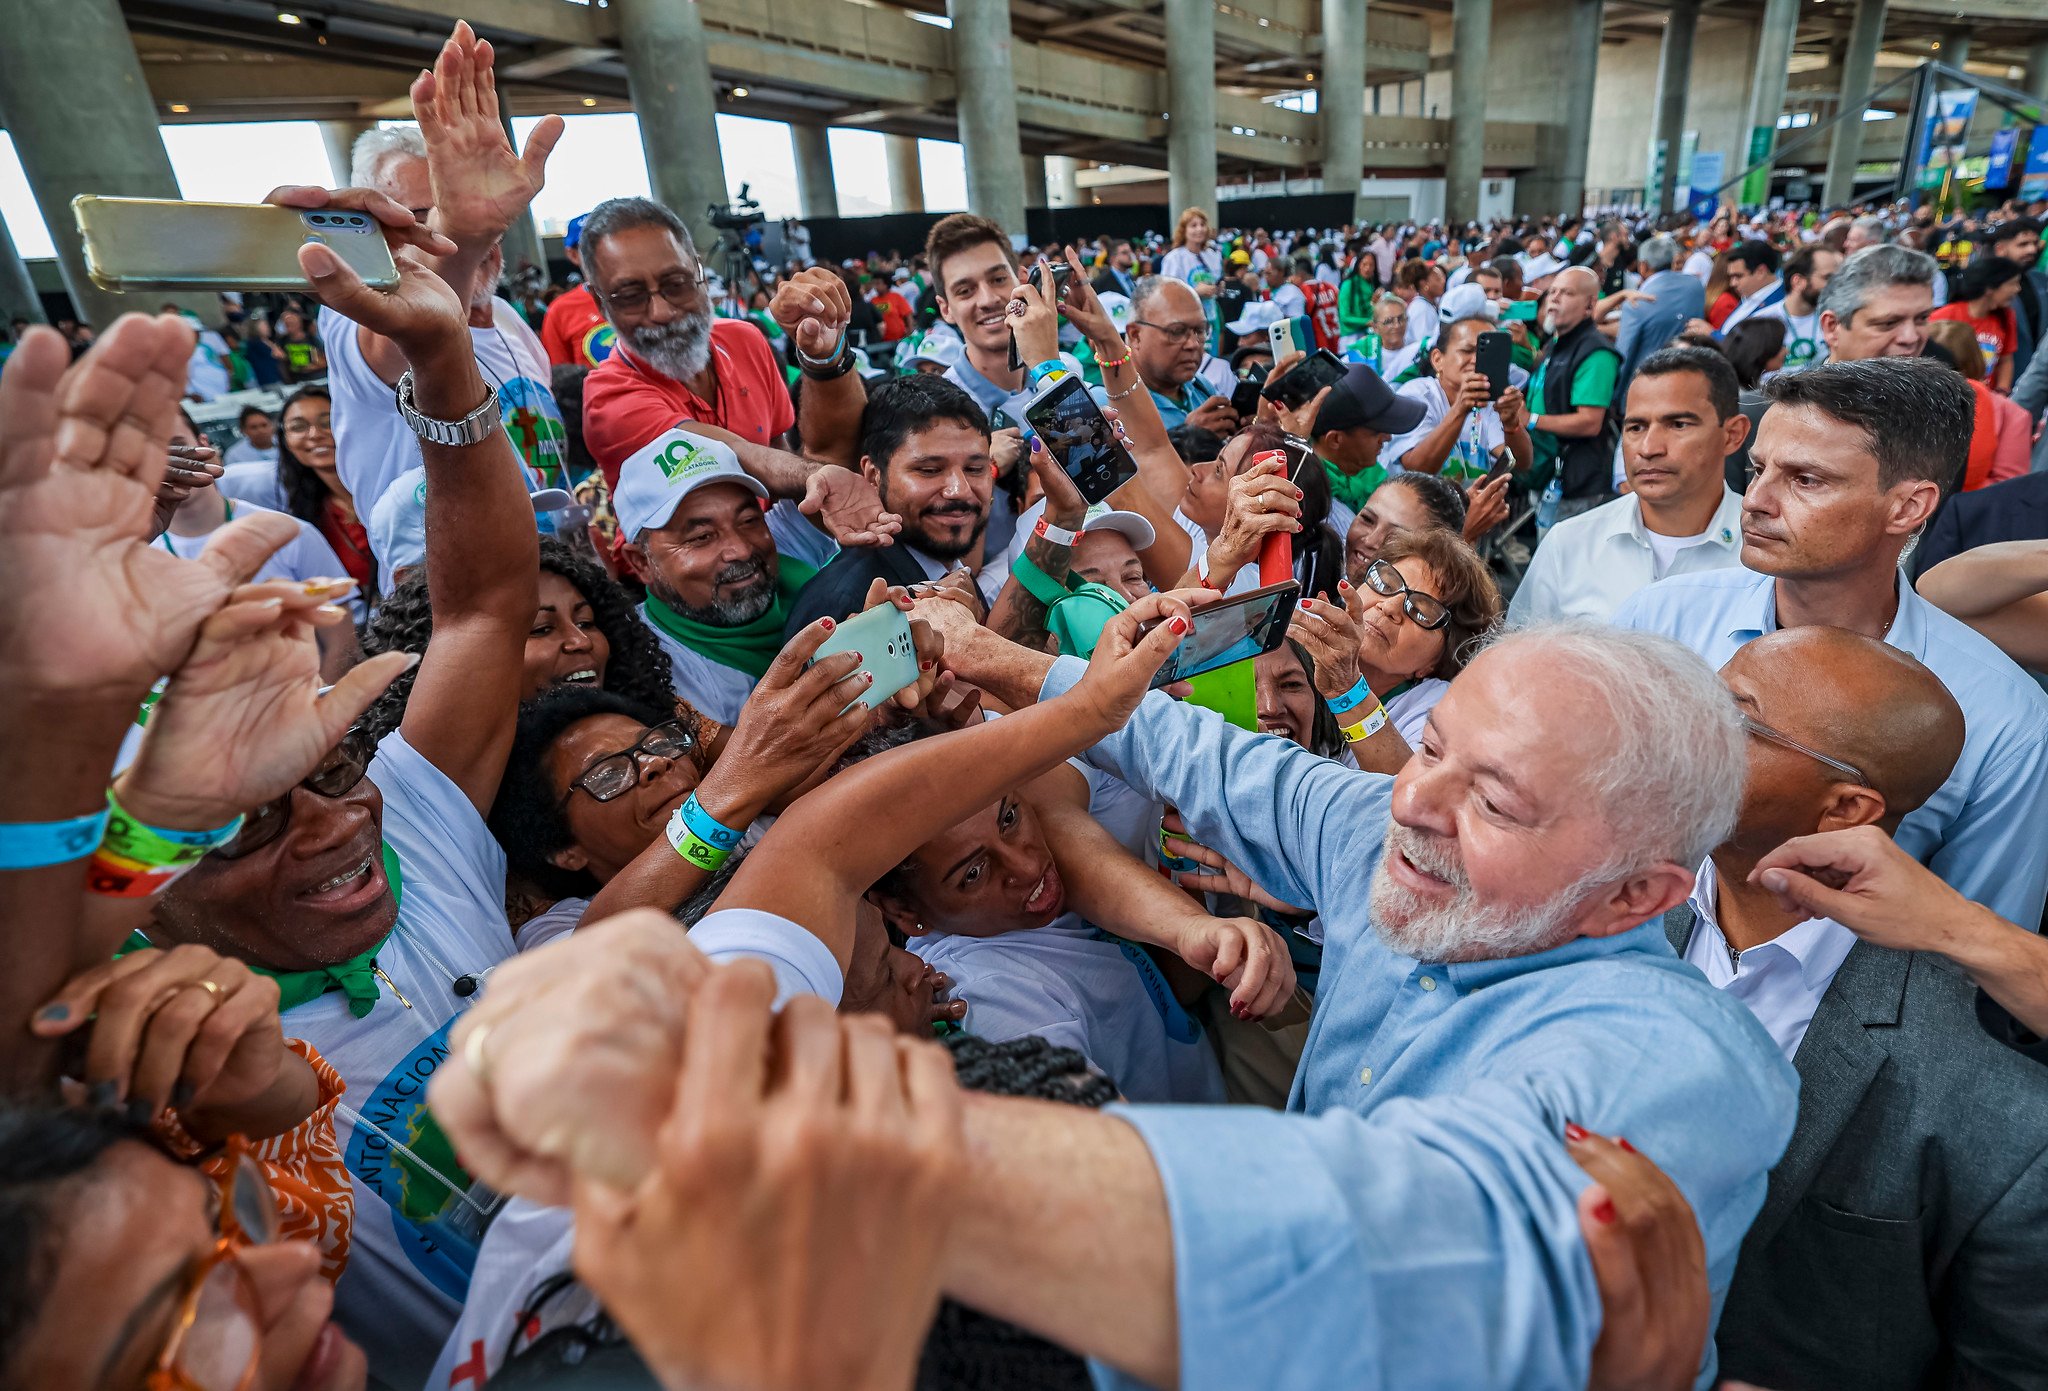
{"points": [[1364, 399]]}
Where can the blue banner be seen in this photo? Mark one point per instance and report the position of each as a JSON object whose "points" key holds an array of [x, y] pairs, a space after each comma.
{"points": [[2034, 180], [1998, 168], [1706, 174]]}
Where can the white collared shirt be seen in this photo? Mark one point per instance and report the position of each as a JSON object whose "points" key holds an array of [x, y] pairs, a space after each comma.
{"points": [[1588, 565], [1781, 980], [1753, 303]]}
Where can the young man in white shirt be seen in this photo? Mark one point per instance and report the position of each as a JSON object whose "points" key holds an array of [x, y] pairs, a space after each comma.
{"points": [[1807, 272], [1678, 516]]}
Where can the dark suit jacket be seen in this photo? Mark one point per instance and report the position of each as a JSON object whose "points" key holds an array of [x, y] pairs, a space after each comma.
{"points": [[1903, 1242], [841, 587], [1105, 282], [2015, 510]]}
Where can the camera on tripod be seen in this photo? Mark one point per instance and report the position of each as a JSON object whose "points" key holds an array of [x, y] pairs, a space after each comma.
{"points": [[743, 212]]}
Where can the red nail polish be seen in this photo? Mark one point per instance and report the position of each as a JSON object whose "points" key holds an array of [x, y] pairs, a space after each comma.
{"points": [[829, 625], [1574, 1132], [1603, 1212], [924, 666], [1177, 625], [1626, 1145]]}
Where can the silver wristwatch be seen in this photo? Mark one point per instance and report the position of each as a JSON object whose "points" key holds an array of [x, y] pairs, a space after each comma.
{"points": [[473, 428]]}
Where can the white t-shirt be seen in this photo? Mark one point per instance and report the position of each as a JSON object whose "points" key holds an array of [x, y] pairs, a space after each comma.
{"points": [[206, 375], [1422, 321], [1184, 265], [252, 483], [418, 1216], [718, 691], [1664, 549], [1410, 710], [372, 442], [1289, 299], [528, 1244], [1700, 265], [306, 556], [1395, 361], [243, 452], [1804, 347], [1472, 455], [1077, 987]]}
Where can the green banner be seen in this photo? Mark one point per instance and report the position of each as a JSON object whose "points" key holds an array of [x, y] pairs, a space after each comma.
{"points": [[1757, 187]]}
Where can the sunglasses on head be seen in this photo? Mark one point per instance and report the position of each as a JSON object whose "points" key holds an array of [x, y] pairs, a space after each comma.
{"points": [[336, 776]]}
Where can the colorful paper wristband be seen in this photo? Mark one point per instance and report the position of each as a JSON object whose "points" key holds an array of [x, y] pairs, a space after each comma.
{"points": [[111, 876], [701, 853], [1052, 369], [707, 827], [156, 847], [1358, 695], [1374, 721], [1058, 535], [37, 844]]}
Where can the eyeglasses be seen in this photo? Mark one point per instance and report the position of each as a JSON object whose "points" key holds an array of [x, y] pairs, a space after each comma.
{"points": [[678, 289], [1425, 610], [303, 426], [217, 1338], [336, 776], [1180, 335], [1763, 731], [616, 774]]}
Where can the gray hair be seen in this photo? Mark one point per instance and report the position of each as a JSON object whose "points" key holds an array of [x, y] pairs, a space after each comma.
{"points": [[1670, 787], [1872, 269], [1658, 253], [1149, 288], [616, 215], [1873, 227], [376, 147]]}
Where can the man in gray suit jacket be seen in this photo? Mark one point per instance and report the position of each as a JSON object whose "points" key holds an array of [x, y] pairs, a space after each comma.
{"points": [[1903, 1242], [1647, 326]]}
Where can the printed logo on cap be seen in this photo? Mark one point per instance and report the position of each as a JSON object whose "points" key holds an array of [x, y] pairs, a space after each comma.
{"points": [[683, 458]]}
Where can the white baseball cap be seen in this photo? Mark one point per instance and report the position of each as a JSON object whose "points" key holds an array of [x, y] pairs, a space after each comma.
{"points": [[1468, 301], [1129, 525], [1118, 307], [942, 348], [654, 481], [1535, 268], [1259, 315]]}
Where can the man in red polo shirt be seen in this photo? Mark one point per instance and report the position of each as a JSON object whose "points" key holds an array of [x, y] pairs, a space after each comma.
{"points": [[575, 331], [676, 361]]}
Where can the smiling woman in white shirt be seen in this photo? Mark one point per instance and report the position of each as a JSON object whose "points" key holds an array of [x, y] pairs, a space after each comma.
{"points": [[1678, 515]]}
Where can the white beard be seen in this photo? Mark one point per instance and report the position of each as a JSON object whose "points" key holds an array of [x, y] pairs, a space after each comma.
{"points": [[1463, 929], [680, 348]]}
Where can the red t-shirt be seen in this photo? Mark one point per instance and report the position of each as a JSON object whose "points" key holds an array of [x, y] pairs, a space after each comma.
{"points": [[1322, 311], [627, 403], [1996, 332], [575, 331]]}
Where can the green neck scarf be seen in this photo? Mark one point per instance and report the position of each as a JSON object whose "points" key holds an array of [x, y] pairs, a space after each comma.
{"points": [[751, 646], [355, 977], [1352, 489]]}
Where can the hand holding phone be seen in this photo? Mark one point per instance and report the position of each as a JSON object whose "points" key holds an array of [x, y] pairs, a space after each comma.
{"points": [[1490, 358], [888, 651], [167, 244], [1234, 630], [1081, 438], [1299, 385]]}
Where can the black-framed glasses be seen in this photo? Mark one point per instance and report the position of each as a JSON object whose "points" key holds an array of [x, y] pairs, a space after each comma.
{"points": [[1176, 334], [336, 776], [680, 290], [1765, 732], [616, 774], [1424, 610]]}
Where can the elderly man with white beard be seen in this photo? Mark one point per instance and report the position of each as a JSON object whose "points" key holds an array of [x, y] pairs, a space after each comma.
{"points": [[1495, 979]]}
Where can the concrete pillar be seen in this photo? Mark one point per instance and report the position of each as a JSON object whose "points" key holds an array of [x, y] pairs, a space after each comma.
{"points": [[18, 298], [1955, 47], [340, 139], [1340, 98], [2037, 70], [668, 74], [1767, 92], [987, 108], [521, 241], [1585, 19], [1471, 37], [1191, 105], [1845, 141], [906, 173], [1062, 181], [1037, 187], [816, 194], [1674, 80], [73, 97]]}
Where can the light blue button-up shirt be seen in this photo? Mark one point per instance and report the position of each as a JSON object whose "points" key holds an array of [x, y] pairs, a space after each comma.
{"points": [[1985, 830], [1416, 1228]]}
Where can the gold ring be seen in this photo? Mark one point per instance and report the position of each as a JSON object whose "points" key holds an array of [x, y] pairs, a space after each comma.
{"points": [[473, 1051], [211, 987]]}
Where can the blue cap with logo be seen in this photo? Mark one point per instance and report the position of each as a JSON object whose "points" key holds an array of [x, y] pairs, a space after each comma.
{"points": [[667, 469]]}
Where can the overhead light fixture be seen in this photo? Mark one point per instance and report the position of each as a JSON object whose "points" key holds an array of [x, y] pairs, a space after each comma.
{"points": [[179, 107], [287, 17], [739, 91], [590, 101]]}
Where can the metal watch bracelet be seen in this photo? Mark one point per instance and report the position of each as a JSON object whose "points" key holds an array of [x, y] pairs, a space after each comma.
{"points": [[473, 428]]}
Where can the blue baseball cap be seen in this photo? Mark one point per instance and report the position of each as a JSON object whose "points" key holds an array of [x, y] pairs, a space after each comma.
{"points": [[572, 235]]}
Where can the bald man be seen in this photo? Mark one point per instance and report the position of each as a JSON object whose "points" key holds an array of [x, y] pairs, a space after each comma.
{"points": [[1899, 1243], [1573, 431]]}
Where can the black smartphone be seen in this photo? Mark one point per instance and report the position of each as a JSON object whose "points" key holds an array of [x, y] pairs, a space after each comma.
{"points": [[1081, 439], [1244, 397], [1491, 360], [1235, 630], [1302, 382], [1061, 274]]}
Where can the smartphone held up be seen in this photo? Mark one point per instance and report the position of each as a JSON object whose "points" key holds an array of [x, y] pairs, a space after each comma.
{"points": [[168, 244]]}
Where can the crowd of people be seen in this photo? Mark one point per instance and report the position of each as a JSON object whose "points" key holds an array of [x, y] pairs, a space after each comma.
{"points": [[629, 845]]}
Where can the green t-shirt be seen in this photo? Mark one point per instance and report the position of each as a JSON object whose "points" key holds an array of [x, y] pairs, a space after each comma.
{"points": [[1592, 385]]}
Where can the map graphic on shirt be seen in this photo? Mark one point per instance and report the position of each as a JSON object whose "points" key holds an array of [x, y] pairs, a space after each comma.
{"points": [[533, 422]]}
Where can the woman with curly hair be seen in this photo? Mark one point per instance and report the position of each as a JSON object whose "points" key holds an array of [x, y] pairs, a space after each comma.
{"points": [[585, 633]]}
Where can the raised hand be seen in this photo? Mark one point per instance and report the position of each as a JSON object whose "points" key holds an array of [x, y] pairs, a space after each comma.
{"points": [[1132, 648], [191, 467], [1486, 507], [1261, 503], [1330, 632], [812, 1161], [1650, 1264], [399, 226], [1064, 505], [849, 507], [1083, 308], [1035, 319], [813, 307], [242, 719], [480, 184], [83, 451], [1245, 957], [423, 314], [1863, 880]]}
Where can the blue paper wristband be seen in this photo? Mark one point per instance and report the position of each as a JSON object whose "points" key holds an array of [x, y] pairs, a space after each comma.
{"points": [[707, 828], [1051, 367], [36, 844], [1358, 695]]}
